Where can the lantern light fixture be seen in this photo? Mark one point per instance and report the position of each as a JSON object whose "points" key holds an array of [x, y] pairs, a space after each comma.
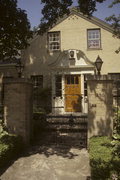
{"points": [[98, 64]]}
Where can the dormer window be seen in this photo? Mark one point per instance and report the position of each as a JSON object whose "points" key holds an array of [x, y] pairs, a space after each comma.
{"points": [[94, 39], [54, 41]]}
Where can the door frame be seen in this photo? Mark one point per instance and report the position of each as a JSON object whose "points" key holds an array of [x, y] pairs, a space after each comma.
{"points": [[58, 103], [72, 94]]}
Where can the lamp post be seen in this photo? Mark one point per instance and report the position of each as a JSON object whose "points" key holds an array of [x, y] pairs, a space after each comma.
{"points": [[19, 67], [98, 64]]}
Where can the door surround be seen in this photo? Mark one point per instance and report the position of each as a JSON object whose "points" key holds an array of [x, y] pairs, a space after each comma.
{"points": [[73, 98]]}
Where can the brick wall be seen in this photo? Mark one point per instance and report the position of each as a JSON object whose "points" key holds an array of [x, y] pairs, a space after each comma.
{"points": [[18, 107]]}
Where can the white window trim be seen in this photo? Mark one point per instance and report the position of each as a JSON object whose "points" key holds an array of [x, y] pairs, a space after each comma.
{"points": [[51, 42], [93, 39]]}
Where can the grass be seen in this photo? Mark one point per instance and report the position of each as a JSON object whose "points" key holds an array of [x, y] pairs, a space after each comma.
{"points": [[104, 164]]}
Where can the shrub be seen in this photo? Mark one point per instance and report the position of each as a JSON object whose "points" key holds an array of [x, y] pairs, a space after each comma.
{"points": [[10, 147], [42, 100], [104, 164]]}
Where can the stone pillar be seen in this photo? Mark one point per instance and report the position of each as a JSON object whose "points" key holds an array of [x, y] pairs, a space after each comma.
{"points": [[18, 107], [100, 106]]}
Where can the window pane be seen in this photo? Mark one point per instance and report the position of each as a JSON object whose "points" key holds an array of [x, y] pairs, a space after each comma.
{"points": [[94, 38], [85, 86], [58, 85], [76, 80], [72, 79], [54, 40], [68, 79]]}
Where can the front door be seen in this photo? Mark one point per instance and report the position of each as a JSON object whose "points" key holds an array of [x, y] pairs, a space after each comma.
{"points": [[73, 98]]}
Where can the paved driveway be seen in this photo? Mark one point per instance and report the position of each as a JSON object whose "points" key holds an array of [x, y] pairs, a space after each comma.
{"points": [[50, 163]]}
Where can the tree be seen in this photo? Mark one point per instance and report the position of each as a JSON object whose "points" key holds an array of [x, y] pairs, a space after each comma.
{"points": [[115, 23], [88, 6], [54, 9], [14, 29]]}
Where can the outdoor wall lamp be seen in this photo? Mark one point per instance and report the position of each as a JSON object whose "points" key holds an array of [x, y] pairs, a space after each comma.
{"points": [[98, 64], [19, 67]]}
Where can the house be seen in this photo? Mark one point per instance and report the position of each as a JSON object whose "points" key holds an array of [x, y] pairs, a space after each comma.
{"points": [[63, 60], [62, 57]]}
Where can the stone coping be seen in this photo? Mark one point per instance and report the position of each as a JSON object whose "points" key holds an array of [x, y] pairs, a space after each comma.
{"points": [[18, 81], [68, 115], [102, 77]]}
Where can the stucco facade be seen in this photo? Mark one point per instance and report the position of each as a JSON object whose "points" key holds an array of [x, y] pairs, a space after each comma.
{"points": [[73, 29]]}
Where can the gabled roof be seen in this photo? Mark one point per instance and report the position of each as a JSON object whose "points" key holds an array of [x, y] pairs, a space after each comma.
{"points": [[75, 11], [92, 19]]}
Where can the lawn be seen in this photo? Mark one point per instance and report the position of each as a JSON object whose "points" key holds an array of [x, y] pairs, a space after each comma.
{"points": [[105, 165]]}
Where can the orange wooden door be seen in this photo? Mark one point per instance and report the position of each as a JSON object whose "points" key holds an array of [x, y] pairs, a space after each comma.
{"points": [[72, 93]]}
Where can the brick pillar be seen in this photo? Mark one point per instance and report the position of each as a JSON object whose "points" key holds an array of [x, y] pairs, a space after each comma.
{"points": [[100, 106], [18, 107]]}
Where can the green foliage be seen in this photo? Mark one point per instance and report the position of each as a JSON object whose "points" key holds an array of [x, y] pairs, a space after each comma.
{"points": [[116, 133], [2, 125], [88, 6], [42, 100], [14, 29], [55, 9], [42, 106], [104, 164], [51, 11], [114, 3], [10, 147], [115, 22], [116, 120]]}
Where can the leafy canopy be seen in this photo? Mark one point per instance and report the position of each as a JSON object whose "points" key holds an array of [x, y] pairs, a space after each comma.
{"points": [[14, 29], [115, 22], [54, 9]]}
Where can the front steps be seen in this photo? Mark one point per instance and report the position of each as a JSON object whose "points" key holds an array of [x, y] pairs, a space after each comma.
{"points": [[67, 130]]}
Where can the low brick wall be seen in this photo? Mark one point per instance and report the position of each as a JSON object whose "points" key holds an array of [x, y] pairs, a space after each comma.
{"points": [[18, 107]]}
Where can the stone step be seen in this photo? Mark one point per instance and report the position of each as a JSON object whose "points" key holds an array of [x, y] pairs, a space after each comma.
{"points": [[69, 139], [70, 130]]}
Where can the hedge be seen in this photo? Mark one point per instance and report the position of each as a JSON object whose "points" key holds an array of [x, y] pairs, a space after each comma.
{"points": [[105, 164]]}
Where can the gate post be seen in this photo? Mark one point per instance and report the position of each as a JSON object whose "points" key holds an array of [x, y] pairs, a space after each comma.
{"points": [[100, 105], [18, 107]]}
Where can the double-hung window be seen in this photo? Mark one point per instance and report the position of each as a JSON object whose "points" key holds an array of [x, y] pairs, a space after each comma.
{"points": [[54, 41], [93, 39]]}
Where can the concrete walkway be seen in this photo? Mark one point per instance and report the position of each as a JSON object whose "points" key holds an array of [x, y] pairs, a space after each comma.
{"points": [[50, 163]]}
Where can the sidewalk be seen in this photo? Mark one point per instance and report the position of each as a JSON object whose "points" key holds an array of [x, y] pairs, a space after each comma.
{"points": [[50, 163]]}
